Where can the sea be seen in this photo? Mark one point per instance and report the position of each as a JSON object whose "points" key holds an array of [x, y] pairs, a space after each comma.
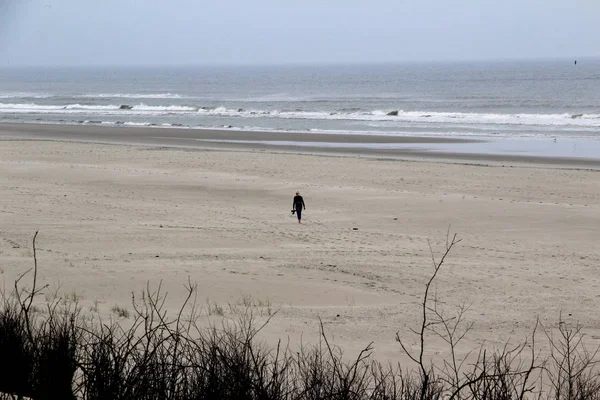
{"points": [[548, 100]]}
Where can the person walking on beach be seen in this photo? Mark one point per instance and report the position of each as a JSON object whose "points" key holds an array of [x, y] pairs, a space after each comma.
{"points": [[298, 206]]}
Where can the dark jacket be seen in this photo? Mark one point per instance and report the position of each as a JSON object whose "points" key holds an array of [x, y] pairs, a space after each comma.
{"points": [[298, 203]]}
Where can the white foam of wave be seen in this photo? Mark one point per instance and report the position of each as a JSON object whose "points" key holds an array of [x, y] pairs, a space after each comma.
{"points": [[143, 107], [92, 109], [134, 124], [32, 107], [416, 117], [86, 107], [584, 120]]}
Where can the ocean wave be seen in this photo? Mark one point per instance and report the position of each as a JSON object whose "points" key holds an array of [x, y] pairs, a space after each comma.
{"points": [[143, 107], [54, 109], [25, 95], [95, 109], [592, 120], [386, 116], [129, 96]]}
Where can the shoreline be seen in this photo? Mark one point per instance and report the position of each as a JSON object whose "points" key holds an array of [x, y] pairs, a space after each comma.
{"points": [[414, 148]]}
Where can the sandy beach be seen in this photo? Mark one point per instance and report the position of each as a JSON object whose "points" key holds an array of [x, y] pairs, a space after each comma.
{"points": [[115, 212]]}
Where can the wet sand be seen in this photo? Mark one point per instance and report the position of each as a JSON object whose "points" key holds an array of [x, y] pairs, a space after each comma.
{"points": [[396, 147]]}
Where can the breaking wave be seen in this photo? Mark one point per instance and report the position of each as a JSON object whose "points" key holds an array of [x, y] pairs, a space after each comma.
{"points": [[400, 116]]}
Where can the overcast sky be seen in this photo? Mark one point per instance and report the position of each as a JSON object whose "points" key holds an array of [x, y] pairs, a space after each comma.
{"points": [[134, 32]]}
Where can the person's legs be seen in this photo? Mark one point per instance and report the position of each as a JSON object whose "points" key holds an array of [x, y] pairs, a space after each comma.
{"points": [[299, 214]]}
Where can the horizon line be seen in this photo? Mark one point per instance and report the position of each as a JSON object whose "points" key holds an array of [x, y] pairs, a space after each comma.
{"points": [[303, 63]]}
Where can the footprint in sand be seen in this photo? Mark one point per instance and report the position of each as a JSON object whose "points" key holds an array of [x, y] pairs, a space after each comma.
{"points": [[12, 243]]}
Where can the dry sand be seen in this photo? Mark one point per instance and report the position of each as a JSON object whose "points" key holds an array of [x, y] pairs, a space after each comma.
{"points": [[113, 217]]}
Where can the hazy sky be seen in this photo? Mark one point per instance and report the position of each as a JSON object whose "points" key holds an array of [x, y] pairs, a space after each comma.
{"points": [[108, 32]]}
